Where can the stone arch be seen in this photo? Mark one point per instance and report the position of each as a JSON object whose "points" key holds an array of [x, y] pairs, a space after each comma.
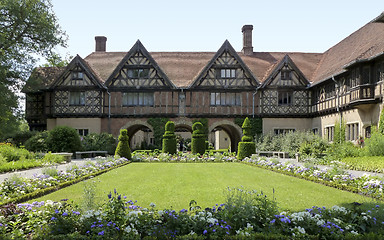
{"points": [[232, 129], [134, 126], [183, 127]]}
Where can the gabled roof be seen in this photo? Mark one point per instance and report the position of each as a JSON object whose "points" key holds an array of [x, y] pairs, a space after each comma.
{"points": [[78, 61], [225, 47], [366, 42], [285, 61], [41, 79], [138, 47]]}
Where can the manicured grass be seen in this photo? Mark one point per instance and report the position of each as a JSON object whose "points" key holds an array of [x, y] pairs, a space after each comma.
{"points": [[176, 184], [372, 164]]}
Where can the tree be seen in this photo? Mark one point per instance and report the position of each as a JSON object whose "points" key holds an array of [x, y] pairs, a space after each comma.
{"points": [[339, 134], [246, 146], [28, 29], [123, 149]]}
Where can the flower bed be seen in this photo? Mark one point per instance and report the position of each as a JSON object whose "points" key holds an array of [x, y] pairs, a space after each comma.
{"points": [[16, 189], [244, 215], [367, 185]]}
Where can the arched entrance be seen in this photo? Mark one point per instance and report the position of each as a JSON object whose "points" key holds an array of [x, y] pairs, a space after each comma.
{"points": [[183, 134], [225, 134], [140, 135]]}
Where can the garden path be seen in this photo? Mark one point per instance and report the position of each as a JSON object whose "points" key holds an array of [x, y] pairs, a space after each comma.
{"points": [[39, 170]]}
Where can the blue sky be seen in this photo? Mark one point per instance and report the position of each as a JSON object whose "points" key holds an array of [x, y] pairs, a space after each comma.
{"points": [[196, 25]]}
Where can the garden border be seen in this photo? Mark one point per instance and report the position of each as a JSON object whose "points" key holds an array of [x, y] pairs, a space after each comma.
{"points": [[45, 191]]}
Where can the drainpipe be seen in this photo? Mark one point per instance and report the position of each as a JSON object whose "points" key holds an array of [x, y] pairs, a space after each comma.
{"points": [[109, 111], [338, 102], [253, 103]]}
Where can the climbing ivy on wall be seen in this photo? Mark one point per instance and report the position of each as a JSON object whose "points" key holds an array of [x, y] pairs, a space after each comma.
{"points": [[158, 125], [203, 121], [256, 125]]}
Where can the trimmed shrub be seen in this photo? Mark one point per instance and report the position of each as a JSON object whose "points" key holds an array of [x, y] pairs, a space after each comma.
{"points": [[123, 149], [38, 143], [99, 142], [246, 146], [63, 139], [169, 138], [198, 139]]}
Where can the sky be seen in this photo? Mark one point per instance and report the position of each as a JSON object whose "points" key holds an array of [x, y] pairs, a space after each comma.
{"points": [[197, 25]]}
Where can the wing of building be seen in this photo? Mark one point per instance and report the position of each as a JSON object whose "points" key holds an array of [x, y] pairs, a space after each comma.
{"points": [[289, 91]]}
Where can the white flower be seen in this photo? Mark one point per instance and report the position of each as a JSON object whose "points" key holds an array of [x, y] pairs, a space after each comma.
{"points": [[152, 205]]}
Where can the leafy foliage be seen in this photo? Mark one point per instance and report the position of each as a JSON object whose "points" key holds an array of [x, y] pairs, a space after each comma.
{"points": [[123, 149], [38, 142], [198, 139], [169, 138], [99, 142], [256, 125], [246, 147], [374, 146], [339, 136], [10, 153], [63, 139], [158, 130], [28, 29]]}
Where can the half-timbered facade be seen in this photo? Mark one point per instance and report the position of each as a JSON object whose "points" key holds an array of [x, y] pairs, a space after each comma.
{"points": [[107, 91]]}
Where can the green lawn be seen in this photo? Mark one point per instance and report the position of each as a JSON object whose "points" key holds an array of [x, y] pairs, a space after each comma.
{"points": [[176, 184]]}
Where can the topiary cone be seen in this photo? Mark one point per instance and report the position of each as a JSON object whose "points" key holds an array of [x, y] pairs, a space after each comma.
{"points": [[123, 149]]}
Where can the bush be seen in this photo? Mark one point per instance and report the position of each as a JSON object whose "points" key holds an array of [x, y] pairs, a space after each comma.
{"points": [[246, 147], [123, 149], [38, 143], [63, 139], [198, 139], [10, 153], [374, 146], [169, 138], [19, 138], [99, 142]]}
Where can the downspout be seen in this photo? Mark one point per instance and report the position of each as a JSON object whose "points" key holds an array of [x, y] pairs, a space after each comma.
{"points": [[338, 103], [253, 102], [109, 111]]}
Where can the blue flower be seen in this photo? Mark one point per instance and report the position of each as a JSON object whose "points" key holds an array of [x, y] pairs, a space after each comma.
{"points": [[109, 195], [273, 221], [205, 232], [53, 218], [101, 233], [65, 214]]}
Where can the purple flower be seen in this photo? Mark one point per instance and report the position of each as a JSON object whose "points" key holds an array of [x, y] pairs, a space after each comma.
{"points": [[101, 233], [109, 195], [53, 218], [65, 214], [205, 232]]}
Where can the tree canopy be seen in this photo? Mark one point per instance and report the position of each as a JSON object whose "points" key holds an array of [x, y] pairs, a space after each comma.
{"points": [[28, 29]]}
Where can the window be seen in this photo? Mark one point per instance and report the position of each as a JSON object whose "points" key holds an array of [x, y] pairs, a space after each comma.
{"points": [[329, 133], [352, 131], [286, 74], [83, 132], [366, 76], [283, 131], [285, 98], [226, 99], [138, 99], [77, 98], [368, 132], [315, 131], [227, 73], [138, 73], [77, 76]]}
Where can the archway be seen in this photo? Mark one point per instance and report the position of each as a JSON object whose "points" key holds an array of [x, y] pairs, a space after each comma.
{"points": [[225, 134], [183, 135], [140, 134]]}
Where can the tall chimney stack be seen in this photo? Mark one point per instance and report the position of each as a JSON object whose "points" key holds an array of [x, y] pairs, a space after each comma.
{"points": [[101, 43], [247, 39]]}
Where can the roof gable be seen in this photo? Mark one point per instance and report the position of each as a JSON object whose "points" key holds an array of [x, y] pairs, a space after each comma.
{"points": [[225, 70], [286, 73], [77, 74], [138, 69]]}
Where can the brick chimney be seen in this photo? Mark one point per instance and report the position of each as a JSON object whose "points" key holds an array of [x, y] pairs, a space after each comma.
{"points": [[101, 43], [247, 39]]}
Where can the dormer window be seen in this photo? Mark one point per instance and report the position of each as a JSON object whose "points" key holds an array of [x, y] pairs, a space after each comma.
{"points": [[138, 73], [286, 74], [227, 73]]}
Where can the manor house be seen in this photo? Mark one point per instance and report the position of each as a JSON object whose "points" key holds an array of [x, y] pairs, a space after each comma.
{"points": [[286, 91]]}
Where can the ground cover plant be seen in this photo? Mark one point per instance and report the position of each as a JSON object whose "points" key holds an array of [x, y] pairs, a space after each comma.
{"points": [[365, 163], [16, 189], [173, 185], [13, 158], [243, 214]]}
